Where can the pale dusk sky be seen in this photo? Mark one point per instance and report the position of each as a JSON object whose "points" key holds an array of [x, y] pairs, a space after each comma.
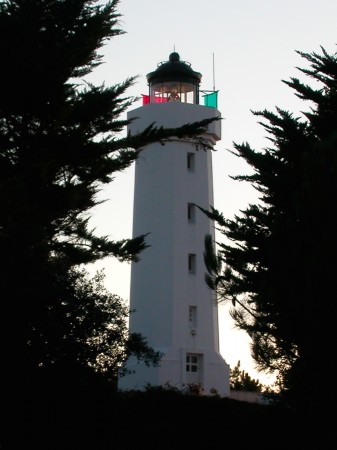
{"points": [[243, 48]]}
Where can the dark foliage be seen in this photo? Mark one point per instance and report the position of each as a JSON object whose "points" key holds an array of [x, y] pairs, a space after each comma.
{"points": [[277, 263], [100, 419], [59, 144], [240, 380]]}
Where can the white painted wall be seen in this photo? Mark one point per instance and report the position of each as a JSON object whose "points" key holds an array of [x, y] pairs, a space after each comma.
{"points": [[162, 289]]}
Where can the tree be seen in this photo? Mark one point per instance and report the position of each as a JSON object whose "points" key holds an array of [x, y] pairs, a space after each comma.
{"points": [[59, 145], [277, 263], [241, 380], [88, 329]]}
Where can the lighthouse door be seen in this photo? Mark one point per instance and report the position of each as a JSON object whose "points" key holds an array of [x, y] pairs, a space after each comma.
{"points": [[193, 368]]}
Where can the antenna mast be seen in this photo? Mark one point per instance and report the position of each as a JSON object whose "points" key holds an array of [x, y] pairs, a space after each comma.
{"points": [[213, 74]]}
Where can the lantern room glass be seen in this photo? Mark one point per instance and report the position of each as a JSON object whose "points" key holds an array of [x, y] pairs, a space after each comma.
{"points": [[174, 91]]}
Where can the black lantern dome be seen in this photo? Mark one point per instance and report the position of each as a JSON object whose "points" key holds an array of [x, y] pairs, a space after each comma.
{"points": [[174, 80]]}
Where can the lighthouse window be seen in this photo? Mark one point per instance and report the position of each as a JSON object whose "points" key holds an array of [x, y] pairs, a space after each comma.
{"points": [[191, 262], [192, 316], [190, 161], [191, 212], [191, 363]]}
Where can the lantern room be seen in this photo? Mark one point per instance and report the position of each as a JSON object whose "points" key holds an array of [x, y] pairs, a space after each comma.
{"points": [[173, 81]]}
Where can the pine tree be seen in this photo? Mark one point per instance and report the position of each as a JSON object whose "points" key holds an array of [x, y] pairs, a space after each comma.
{"points": [[240, 380], [59, 144], [277, 262]]}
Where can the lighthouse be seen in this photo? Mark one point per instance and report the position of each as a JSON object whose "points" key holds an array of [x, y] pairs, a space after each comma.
{"points": [[172, 307]]}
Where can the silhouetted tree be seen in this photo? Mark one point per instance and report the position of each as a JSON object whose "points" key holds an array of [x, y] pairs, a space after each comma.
{"points": [[242, 381], [59, 144], [277, 263], [87, 328]]}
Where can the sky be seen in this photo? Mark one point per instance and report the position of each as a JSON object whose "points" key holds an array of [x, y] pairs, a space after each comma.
{"points": [[243, 49]]}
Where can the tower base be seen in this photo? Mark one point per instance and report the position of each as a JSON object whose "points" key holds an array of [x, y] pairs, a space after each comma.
{"points": [[184, 369]]}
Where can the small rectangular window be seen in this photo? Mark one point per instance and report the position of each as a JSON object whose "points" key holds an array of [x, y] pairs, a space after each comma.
{"points": [[191, 262], [192, 316], [191, 161], [192, 362], [191, 212]]}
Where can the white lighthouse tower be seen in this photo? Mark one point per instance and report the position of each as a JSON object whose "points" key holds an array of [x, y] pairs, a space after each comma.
{"points": [[173, 307]]}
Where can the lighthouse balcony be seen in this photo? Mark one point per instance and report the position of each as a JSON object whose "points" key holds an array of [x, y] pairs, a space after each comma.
{"points": [[209, 98]]}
